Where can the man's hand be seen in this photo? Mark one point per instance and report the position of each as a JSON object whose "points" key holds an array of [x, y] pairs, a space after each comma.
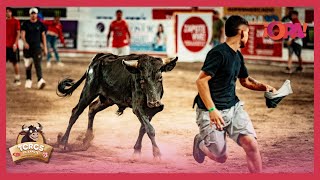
{"points": [[26, 45], [45, 50], [216, 119], [270, 89], [14, 47]]}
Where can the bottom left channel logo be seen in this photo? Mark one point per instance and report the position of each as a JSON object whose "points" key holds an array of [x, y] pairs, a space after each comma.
{"points": [[31, 145]]}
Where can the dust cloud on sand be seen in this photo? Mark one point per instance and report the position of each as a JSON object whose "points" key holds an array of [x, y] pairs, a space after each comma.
{"points": [[285, 134]]}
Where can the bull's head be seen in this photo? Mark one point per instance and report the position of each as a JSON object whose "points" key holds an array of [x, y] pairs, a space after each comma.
{"points": [[149, 76], [32, 131]]}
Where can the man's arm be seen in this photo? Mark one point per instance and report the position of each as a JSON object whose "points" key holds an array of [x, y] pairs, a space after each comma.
{"points": [[129, 35], [23, 37], [204, 92], [61, 36], [15, 45], [253, 84], [47, 22], [108, 36], [44, 41]]}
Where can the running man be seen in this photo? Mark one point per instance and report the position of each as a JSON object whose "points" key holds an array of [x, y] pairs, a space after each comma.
{"points": [[120, 35], [54, 32], [219, 110], [12, 50], [32, 32]]}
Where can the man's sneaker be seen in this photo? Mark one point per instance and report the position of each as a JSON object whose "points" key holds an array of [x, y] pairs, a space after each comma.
{"points": [[288, 70], [28, 84], [299, 69], [198, 155], [49, 64], [17, 82], [41, 83], [60, 64]]}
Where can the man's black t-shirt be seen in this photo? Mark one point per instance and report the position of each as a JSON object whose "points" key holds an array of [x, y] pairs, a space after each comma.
{"points": [[33, 33], [224, 65]]}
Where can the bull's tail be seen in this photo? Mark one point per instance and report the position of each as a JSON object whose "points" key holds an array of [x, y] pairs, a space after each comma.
{"points": [[67, 86]]}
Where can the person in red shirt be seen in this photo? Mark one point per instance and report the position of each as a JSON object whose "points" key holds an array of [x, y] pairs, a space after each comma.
{"points": [[53, 33], [120, 35], [12, 36]]}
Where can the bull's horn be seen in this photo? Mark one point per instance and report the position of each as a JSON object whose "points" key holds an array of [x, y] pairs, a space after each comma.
{"points": [[39, 128], [168, 60], [25, 129], [131, 63]]}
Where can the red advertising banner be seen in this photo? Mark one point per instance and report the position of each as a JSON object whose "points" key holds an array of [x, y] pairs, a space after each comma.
{"points": [[257, 45]]}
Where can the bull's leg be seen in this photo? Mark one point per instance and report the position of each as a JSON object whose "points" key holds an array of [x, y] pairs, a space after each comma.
{"points": [[85, 99], [151, 133], [94, 108], [137, 147]]}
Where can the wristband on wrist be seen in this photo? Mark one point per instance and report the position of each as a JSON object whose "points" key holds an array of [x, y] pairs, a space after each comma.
{"points": [[212, 109]]}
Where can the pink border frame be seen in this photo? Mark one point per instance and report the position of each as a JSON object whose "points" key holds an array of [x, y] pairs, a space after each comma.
{"points": [[154, 3]]}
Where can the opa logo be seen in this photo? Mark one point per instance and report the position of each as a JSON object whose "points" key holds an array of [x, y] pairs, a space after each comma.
{"points": [[277, 30]]}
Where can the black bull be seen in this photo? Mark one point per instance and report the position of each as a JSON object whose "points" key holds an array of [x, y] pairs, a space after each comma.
{"points": [[133, 81]]}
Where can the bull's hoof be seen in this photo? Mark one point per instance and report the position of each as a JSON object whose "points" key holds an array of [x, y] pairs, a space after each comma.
{"points": [[62, 149], [59, 137], [156, 158], [156, 152], [88, 138], [136, 155], [61, 144]]}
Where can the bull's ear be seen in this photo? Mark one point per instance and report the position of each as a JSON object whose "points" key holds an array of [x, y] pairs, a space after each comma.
{"points": [[131, 66], [168, 64]]}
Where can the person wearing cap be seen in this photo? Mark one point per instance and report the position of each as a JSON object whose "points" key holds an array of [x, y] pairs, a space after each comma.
{"points": [[12, 37], [32, 34], [54, 32]]}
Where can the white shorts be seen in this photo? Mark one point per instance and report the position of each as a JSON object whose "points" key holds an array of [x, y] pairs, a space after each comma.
{"points": [[125, 50], [237, 122]]}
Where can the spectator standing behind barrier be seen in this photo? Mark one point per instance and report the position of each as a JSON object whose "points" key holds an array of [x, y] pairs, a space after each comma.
{"points": [[120, 35], [295, 46], [12, 37], [32, 33], [287, 17], [160, 39], [217, 29], [54, 32]]}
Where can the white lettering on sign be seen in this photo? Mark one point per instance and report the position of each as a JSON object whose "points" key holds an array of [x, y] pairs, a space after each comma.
{"points": [[27, 146], [194, 28]]}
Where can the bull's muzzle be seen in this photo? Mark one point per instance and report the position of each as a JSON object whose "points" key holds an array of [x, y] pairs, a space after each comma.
{"points": [[153, 104]]}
